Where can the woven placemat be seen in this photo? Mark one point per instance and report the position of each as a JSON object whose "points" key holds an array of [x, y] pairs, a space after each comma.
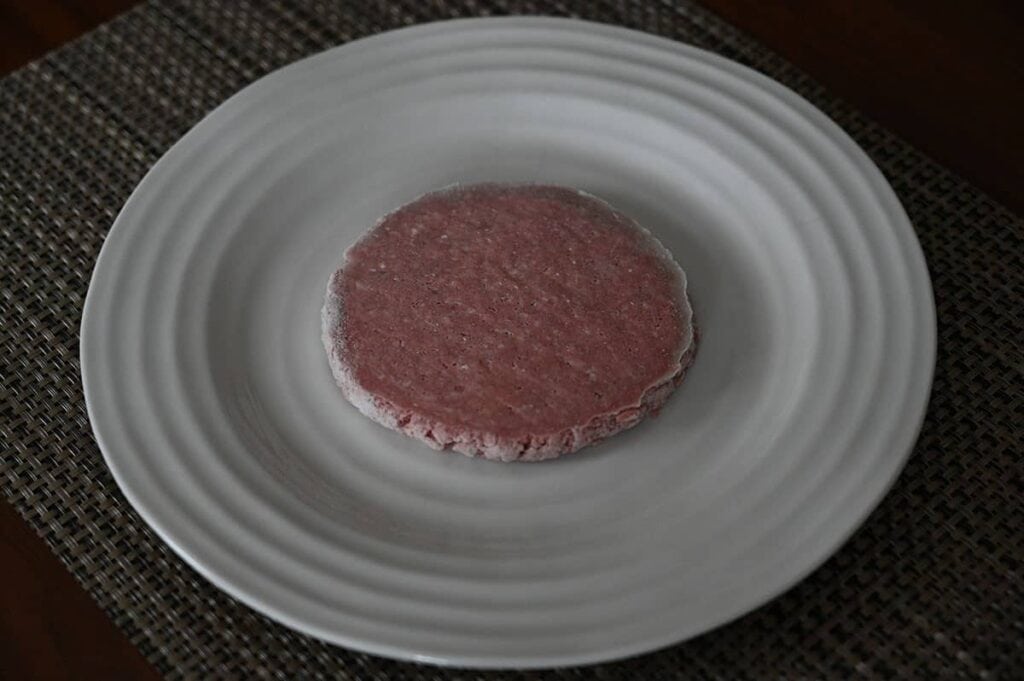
{"points": [[931, 587]]}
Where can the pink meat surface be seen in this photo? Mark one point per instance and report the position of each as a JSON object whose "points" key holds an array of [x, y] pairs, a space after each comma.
{"points": [[512, 322]]}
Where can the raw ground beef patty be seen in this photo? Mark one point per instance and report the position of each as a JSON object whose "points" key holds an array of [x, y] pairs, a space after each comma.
{"points": [[512, 322]]}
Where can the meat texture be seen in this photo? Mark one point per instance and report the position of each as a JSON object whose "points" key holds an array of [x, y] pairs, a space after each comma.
{"points": [[512, 322]]}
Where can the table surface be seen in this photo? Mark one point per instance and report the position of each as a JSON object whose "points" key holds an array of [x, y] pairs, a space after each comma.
{"points": [[946, 75]]}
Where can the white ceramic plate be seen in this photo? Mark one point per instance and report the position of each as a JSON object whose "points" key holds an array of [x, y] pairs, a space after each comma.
{"points": [[212, 401]]}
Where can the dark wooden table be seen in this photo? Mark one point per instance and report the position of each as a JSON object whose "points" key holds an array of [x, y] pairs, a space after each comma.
{"points": [[945, 74]]}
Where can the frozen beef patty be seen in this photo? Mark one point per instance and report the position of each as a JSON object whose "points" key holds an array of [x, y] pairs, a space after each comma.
{"points": [[512, 322]]}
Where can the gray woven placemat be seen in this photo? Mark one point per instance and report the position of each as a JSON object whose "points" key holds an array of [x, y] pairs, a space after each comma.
{"points": [[931, 586]]}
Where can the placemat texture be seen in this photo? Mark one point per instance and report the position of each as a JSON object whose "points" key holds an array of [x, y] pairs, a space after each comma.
{"points": [[931, 587]]}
